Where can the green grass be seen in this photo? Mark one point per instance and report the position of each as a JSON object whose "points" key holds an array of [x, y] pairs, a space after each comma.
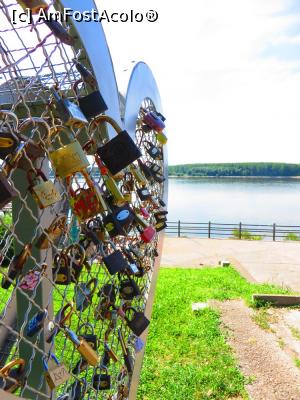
{"points": [[245, 235], [187, 356], [292, 236]]}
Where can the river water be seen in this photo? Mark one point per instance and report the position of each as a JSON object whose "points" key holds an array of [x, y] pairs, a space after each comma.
{"points": [[234, 200]]}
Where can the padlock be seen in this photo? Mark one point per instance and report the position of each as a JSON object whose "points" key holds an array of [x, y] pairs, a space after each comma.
{"points": [[145, 213], [86, 74], [59, 31], [36, 323], [61, 318], [161, 215], [114, 262], [95, 231], [57, 375], [16, 266], [77, 390], [45, 192], [52, 233], [7, 192], [129, 180], [102, 381], [90, 338], [161, 138], [160, 226], [154, 152], [143, 193], [34, 5], [119, 152], [147, 231], [92, 104], [69, 112], [129, 289], [32, 278], [108, 293], [119, 221], [138, 323], [154, 168], [128, 360], [86, 351], [68, 264], [154, 120], [9, 139], [69, 158], [133, 264], [146, 170], [83, 293], [137, 343], [114, 190], [138, 175], [87, 202], [126, 194], [17, 375]]}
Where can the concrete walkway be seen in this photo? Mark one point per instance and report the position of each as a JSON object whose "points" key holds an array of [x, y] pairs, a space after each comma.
{"points": [[260, 261]]}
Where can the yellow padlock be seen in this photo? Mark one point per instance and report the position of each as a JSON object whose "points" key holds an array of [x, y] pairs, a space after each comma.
{"points": [[161, 137], [113, 188], [87, 352], [139, 176], [69, 158], [45, 192]]}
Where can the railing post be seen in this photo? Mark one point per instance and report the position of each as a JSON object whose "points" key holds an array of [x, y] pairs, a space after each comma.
{"points": [[209, 229], [274, 232], [240, 231], [179, 233]]}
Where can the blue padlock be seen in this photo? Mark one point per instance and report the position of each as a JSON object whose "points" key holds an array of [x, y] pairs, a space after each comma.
{"points": [[36, 323]]}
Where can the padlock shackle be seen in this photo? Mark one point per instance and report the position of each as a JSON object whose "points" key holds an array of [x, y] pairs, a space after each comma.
{"points": [[34, 121], [37, 173], [87, 324], [6, 113], [101, 119], [79, 248], [4, 371], [64, 318], [57, 129]]}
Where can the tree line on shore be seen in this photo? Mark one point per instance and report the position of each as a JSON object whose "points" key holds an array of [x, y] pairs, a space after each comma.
{"points": [[235, 169]]}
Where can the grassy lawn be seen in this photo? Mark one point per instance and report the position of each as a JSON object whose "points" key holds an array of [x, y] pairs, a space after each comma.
{"points": [[186, 355]]}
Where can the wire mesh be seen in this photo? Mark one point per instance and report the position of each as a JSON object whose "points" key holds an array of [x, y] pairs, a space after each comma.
{"points": [[52, 273]]}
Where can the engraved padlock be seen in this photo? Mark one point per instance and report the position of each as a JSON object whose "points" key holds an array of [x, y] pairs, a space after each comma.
{"points": [[12, 378], [86, 351], [102, 381], [43, 192], [119, 152], [83, 293], [154, 152], [70, 113], [57, 374], [68, 158], [114, 261], [93, 103]]}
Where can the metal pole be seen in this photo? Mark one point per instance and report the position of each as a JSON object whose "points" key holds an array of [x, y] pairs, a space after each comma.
{"points": [[209, 229], [25, 230], [179, 230], [240, 231], [274, 232]]}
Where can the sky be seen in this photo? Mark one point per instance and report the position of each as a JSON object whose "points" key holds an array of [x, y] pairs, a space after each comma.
{"points": [[228, 73]]}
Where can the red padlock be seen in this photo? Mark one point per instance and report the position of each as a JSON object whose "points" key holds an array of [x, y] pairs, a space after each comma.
{"points": [[144, 212], [154, 121], [148, 234]]}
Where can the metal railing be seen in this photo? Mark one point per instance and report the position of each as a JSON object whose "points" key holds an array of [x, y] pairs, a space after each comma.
{"points": [[234, 231]]}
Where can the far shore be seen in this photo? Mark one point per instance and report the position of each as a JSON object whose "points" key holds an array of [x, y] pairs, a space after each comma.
{"points": [[234, 177]]}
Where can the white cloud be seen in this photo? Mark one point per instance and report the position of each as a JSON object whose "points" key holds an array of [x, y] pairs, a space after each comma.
{"points": [[223, 101]]}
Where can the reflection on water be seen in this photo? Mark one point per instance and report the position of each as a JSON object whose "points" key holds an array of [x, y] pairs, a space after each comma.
{"points": [[231, 200]]}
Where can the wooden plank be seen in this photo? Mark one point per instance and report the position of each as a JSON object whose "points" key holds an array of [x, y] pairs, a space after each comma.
{"points": [[280, 300]]}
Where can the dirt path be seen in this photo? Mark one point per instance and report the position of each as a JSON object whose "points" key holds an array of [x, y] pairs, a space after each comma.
{"points": [[273, 374]]}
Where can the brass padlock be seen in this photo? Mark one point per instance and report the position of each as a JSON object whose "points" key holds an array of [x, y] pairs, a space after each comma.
{"points": [[114, 190], [57, 375], [86, 351], [17, 375], [9, 139], [69, 158], [53, 232], [45, 192], [139, 176]]}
